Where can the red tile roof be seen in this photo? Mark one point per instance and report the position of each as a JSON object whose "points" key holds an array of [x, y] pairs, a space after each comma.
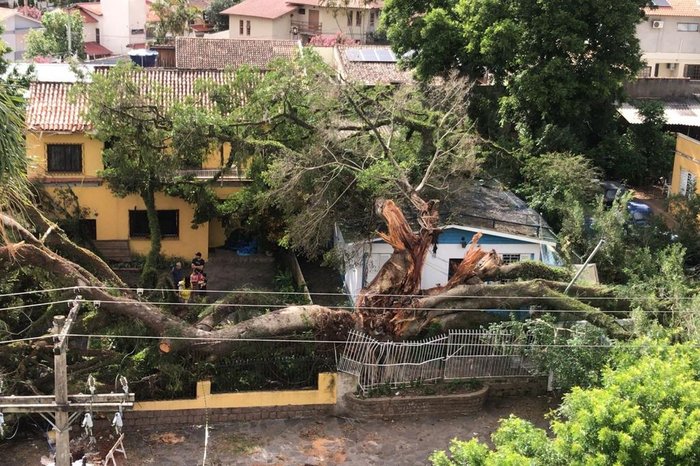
{"points": [[87, 18], [370, 73], [200, 53], [94, 8], [49, 107], [687, 8], [93, 49], [356, 4], [269, 9]]}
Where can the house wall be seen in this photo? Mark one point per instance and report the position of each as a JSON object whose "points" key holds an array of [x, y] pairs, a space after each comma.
{"points": [[333, 20], [368, 258], [8, 36], [119, 18], [260, 28], [687, 158], [110, 212], [15, 33], [667, 45], [89, 32]]}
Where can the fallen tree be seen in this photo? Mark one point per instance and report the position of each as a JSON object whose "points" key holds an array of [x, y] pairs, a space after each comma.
{"points": [[390, 307]]}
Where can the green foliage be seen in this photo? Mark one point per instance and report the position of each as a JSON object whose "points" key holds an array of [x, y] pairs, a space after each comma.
{"points": [[686, 225], [647, 411], [173, 18], [554, 183], [313, 148], [562, 64], [52, 40], [213, 16], [136, 132], [574, 353]]}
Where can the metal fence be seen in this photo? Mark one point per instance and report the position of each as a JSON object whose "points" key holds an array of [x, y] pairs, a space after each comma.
{"points": [[394, 363], [462, 354], [482, 353]]}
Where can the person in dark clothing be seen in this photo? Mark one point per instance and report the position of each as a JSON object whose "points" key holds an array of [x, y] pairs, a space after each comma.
{"points": [[198, 262], [177, 274]]}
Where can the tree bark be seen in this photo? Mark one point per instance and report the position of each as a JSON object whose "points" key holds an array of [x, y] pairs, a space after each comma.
{"points": [[148, 275]]}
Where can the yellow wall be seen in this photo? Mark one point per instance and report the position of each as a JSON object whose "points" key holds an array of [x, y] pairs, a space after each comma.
{"points": [[112, 213], [325, 394], [688, 158]]}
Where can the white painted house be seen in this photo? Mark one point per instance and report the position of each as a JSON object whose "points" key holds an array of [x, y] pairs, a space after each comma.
{"points": [[364, 259], [16, 27], [669, 38], [113, 27], [302, 19]]}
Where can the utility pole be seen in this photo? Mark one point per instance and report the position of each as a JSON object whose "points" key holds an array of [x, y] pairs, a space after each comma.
{"points": [[65, 407], [70, 36]]}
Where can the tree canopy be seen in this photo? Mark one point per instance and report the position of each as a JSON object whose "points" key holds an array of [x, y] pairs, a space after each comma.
{"points": [[174, 17], [561, 63], [135, 128], [52, 40], [214, 16]]}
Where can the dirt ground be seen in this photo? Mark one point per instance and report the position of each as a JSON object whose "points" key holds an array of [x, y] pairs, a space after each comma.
{"points": [[320, 442]]}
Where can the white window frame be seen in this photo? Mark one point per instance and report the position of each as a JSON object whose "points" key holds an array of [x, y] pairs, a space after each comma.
{"points": [[688, 180], [687, 27]]}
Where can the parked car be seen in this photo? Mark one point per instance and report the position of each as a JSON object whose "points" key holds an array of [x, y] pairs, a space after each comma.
{"points": [[612, 190]]}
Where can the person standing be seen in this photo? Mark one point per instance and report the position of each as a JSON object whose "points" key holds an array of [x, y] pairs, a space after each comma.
{"points": [[198, 262], [177, 274]]}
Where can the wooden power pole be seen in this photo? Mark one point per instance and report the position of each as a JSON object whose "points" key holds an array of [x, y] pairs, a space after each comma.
{"points": [[65, 407]]}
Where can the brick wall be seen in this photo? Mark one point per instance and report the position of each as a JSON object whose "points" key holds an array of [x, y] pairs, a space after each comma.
{"points": [[216, 415], [463, 404], [443, 405]]}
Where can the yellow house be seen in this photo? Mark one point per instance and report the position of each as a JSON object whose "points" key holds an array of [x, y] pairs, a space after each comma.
{"points": [[64, 154], [686, 166]]}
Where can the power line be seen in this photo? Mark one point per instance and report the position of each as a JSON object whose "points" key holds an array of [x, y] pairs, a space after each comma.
{"points": [[354, 343], [348, 308], [265, 292]]}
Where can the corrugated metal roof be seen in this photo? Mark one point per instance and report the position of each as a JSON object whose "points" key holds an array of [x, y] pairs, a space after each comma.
{"points": [[682, 112]]}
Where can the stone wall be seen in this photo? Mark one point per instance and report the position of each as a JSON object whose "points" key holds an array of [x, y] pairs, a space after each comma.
{"points": [[140, 419]]}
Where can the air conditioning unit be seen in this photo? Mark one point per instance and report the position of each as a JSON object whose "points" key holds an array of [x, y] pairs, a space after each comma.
{"points": [[671, 66], [656, 24]]}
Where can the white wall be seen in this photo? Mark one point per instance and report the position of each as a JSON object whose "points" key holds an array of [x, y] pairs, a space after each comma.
{"points": [[435, 270], [89, 32], [15, 34], [668, 45], [119, 18], [332, 21], [260, 28]]}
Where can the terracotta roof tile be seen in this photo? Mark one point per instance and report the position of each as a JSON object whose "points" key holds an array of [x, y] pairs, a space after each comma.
{"points": [[269, 9], [200, 53], [94, 8], [687, 8], [93, 49], [49, 107], [370, 72]]}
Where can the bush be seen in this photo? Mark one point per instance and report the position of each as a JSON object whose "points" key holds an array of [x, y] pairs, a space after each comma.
{"points": [[646, 412]]}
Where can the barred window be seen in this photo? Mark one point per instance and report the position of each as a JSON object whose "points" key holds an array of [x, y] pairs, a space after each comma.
{"points": [[64, 158]]}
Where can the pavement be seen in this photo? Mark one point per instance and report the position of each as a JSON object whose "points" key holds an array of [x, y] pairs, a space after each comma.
{"points": [[327, 441]]}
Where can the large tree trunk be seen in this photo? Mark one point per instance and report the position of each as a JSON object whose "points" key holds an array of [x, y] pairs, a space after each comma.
{"points": [[149, 275]]}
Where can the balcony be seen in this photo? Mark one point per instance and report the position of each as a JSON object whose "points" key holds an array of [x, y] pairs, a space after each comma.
{"points": [[207, 174], [306, 29]]}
